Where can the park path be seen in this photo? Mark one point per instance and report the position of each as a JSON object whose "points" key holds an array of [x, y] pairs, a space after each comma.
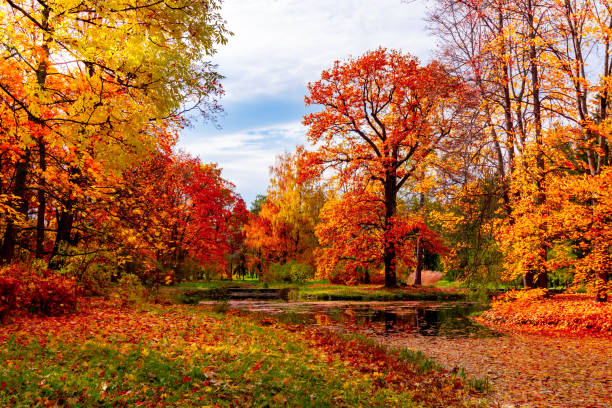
{"points": [[527, 370]]}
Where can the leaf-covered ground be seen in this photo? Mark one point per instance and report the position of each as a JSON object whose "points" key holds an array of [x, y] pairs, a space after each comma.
{"points": [[570, 313], [183, 356], [529, 370]]}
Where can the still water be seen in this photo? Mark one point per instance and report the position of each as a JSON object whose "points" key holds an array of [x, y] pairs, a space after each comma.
{"points": [[444, 319]]}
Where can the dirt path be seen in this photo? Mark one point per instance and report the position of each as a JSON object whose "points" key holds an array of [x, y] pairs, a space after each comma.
{"points": [[528, 370]]}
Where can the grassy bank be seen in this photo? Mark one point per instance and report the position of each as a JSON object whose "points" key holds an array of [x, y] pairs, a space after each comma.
{"points": [[374, 293], [184, 356], [193, 292]]}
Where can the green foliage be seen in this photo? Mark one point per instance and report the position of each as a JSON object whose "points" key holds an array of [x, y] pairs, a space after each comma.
{"points": [[129, 290], [291, 271], [478, 259], [92, 272], [256, 205]]}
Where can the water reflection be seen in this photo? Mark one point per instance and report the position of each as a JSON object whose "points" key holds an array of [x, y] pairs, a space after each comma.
{"points": [[449, 319]]}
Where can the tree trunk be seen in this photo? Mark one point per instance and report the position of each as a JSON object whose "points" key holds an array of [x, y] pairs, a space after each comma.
{"points": [[42, 201], [41, 79], [602, 291], [419, 249], [389, 255], [537, 278], [7, 250], [64, 228]]}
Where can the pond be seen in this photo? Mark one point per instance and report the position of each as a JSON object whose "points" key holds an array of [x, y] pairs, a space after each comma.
{"points": [[423, 318]]}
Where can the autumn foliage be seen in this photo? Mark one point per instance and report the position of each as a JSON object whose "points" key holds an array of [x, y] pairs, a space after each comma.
{"points": [[384, 121], [542, 72], [37, 291], [534, 311], [92, 98], [283, 229]]}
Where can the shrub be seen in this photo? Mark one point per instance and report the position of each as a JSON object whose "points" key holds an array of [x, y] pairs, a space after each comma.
{"points": [[291, 271], [37, 290], [129, 289], [94, 274], [52, 295], [573, 313], [524, 294], [299, 272], [9, 293]]}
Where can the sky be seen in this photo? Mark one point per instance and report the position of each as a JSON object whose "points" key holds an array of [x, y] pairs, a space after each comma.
{"points": [[278, 47]]}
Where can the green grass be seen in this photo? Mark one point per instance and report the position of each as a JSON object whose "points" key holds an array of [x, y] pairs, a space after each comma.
{"points": [[178, 358], [369, 293]]}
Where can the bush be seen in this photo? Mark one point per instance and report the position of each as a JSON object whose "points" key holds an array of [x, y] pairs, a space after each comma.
{"points": [[9, 294], [573, 313], [37, 290], [299, 272], [291, 271], [52, 295], [524, 294], [129, 289], [94, 274]]}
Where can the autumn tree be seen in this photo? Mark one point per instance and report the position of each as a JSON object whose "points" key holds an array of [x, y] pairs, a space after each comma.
{"points": [[351, 237], [86, 87], [542, 70], [283, 228], [171, 209], [383, 118]]}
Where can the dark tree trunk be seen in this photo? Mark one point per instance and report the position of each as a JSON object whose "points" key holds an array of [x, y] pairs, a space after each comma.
{"points": [[419, 249], [41, 79], [7, 250], [42, 202], [64, 228], [389, 256], [602, 292], [535, 279]]}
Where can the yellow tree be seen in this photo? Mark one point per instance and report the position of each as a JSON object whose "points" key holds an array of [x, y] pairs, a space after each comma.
{"points": [[546, 92], [284, 228], [88, 84]]}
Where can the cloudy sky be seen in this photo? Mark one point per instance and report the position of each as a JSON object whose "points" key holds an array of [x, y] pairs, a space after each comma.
{"points": [[277, 48]]}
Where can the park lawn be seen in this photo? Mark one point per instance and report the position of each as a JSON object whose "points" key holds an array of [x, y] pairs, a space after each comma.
{"points": [[109, 355]]}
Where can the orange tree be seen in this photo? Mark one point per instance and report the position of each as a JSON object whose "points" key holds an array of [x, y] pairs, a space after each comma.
{"points": [[383, 119], [542, 70], [352, 238]]}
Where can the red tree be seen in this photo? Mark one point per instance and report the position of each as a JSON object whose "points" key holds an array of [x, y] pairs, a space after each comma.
{"points": [[384, 118]]}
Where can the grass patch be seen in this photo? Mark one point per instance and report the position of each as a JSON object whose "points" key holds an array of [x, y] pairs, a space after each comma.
{"points": [[374, 293], [179, 356]]}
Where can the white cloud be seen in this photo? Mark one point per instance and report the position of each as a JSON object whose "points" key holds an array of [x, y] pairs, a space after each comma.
{"points": [[246, 156], [280, 45]]}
